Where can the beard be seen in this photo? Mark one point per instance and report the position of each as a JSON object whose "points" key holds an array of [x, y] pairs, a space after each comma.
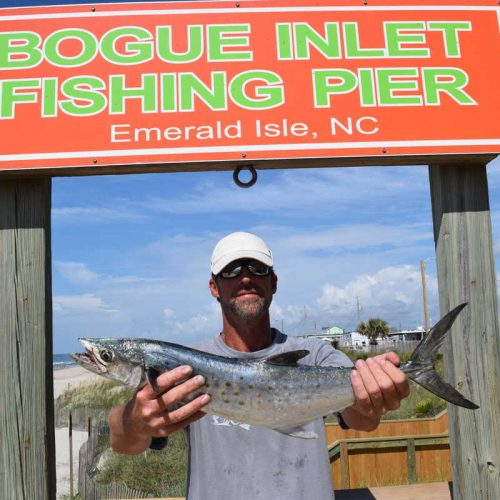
{"points": [[248, 308]]}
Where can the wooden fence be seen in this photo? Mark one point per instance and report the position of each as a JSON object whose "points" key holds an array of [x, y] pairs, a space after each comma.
{"points": [[397, 452], [88, 487], [384, 346]]}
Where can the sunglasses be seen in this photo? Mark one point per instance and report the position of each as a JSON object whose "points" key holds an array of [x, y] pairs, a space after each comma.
{"points": [[254, 267]]}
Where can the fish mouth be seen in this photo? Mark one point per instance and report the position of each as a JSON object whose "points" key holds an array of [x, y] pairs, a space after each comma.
{"points": [[88, 359]]}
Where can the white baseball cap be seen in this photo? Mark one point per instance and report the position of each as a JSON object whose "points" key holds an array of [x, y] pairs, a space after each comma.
{"points": [[236, 246]]}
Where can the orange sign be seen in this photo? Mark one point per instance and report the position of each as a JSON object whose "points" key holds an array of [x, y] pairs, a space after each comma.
{"points": [[148, 83]]}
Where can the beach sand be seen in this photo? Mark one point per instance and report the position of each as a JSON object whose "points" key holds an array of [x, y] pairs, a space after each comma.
{"points": [[64, 379]]}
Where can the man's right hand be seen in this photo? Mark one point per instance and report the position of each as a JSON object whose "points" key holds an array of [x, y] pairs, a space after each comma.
{"points": [[153, 413]]}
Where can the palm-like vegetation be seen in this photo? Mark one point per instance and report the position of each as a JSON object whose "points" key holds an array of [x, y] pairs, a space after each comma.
{"points": [[373, 329]]}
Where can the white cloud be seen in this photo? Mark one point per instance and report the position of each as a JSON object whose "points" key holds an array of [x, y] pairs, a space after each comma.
{"points": [[86, 303], [348, 236], [168, 313], [290, 313], [76, 272], [97, 215], [392, 293], [189, 329]]}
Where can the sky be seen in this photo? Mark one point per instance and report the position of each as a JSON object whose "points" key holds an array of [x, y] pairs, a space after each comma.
{"points": [[131, 253]]}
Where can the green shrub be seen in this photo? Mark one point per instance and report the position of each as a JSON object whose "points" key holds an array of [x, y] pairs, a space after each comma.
{"points": [[160, 473], [423, 408]]}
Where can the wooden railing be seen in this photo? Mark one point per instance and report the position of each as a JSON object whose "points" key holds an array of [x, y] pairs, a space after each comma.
{"points": [[341, 449], [381, 458]]}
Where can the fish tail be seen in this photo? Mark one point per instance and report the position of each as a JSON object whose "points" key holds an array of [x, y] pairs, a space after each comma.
{"points": [[420, 366]]}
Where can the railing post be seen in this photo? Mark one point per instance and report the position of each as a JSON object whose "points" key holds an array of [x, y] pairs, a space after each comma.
{"points": [[411, 460], [344, 465]]}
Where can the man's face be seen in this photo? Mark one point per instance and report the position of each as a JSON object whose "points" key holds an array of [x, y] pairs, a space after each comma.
{"points": [[246, 295]]}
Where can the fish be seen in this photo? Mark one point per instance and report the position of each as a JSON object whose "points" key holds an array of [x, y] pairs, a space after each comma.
{"points": [[276, 392]]}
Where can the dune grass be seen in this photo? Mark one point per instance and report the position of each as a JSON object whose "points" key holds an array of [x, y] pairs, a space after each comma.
{"points": [[100, 394], [160, 473]]}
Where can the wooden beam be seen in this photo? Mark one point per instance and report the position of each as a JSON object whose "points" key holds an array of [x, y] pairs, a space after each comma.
{"points": [[229, 165], [27, 458], [466, 273]]}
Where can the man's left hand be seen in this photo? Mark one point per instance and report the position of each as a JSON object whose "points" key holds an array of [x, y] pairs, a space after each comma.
{"points": [[379, 386]]}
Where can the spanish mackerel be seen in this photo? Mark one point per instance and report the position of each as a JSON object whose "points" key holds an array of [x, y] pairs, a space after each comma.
{"points": [[276, 392]]}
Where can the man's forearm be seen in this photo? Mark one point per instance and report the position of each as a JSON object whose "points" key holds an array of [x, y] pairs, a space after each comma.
{"points": [[124, 440]]}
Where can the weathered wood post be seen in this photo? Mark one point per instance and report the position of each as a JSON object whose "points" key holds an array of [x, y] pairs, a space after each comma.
{"points": [[27, 457], [464, 248], [70, 433]]}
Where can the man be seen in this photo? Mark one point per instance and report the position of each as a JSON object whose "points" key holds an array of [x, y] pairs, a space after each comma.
{"points": [[231, 460]]}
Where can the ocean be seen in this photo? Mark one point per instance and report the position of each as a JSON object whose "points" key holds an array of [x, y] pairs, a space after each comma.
{"points": [[60, 361]]}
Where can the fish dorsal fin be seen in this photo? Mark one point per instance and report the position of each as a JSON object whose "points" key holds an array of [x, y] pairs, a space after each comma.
{"points": [[287, 358]]}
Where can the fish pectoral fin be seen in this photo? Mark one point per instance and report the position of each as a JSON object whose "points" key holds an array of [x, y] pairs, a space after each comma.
{"points": [[152, 374], [298, 432], [289, 358]]}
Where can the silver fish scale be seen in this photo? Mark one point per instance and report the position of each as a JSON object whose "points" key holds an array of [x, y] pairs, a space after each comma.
{"points": [[265, 394]]}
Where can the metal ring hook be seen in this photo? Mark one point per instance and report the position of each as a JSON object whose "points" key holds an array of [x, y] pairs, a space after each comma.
{"points": [[239, 182]]}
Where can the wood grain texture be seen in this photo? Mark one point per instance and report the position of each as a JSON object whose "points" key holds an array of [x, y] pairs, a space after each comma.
{"points": [[466, 273], [27, 458]]}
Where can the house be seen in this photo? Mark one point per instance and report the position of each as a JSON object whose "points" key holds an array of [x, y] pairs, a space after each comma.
{"points": [[417, 334], [339, 335]]}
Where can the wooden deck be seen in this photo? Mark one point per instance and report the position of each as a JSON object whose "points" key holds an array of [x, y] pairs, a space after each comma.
{"points": [[429, 491]]}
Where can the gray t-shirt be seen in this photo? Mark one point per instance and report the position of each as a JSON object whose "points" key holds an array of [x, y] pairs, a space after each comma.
{"points": [[234, 461]]}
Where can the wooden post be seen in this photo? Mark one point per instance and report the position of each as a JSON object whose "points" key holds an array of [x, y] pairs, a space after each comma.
{"points": [[27, 458], [344, 465], [70, 435], [464, 248], [424, 296], [411, 460]]}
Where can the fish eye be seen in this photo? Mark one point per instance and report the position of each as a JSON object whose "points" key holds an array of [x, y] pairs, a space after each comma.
{"points": [[106, 355]]}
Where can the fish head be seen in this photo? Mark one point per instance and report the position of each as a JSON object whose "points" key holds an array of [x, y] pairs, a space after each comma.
{"points": [[121, 360]]}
